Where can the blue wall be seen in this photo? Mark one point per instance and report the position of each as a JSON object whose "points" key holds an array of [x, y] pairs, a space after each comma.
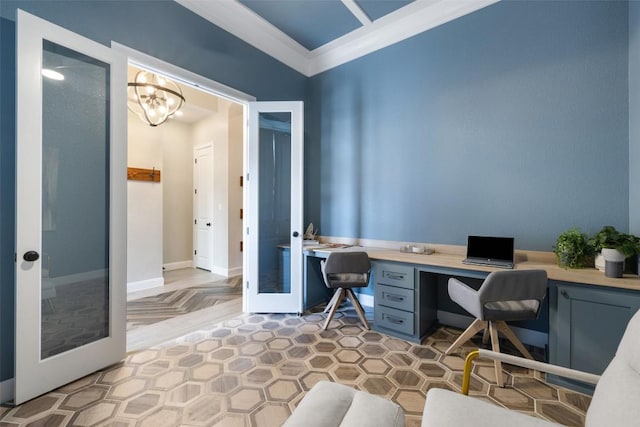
{"points": [[512, 120], [189, 42], [526, 101], [634, 114]]}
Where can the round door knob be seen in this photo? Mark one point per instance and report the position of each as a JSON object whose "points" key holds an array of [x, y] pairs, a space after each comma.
{"points": [[31, 256], [296, 234]]}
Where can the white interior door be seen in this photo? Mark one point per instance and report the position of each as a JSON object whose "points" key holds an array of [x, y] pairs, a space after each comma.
{"points": [[274, 235], [203, 203], [70, 207]]}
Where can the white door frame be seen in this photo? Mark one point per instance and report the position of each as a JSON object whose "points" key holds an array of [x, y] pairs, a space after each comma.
{"points": [[195, 208], [195, 80], [33, 375]]}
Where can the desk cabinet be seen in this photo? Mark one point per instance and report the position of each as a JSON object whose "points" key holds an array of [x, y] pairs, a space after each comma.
{"points": [[586, 326], [402, 307]]}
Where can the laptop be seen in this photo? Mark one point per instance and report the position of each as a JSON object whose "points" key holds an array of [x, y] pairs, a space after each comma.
{"points": [[491, 251]]}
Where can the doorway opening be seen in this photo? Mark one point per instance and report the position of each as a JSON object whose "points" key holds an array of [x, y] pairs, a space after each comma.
{"points": [[170, 289]]}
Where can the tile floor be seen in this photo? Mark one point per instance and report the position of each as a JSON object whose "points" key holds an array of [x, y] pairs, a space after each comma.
{"points": [[253, 370]]}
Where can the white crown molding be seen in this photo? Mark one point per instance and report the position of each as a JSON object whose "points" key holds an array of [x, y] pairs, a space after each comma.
{"points": [[415, 18], [357, 11], [247, 25]]}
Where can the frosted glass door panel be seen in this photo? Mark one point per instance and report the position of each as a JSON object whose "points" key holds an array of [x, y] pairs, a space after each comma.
{"points": [[75, 200], [275, 202]]}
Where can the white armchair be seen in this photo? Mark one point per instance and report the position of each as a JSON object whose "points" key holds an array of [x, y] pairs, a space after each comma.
{"points": [[616, 400]]}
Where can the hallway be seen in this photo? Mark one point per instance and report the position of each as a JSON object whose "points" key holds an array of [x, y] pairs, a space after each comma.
{"points": [[189, 300]]}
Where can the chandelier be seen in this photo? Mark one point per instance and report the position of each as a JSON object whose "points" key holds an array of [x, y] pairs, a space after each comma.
{"points": [[153, 98]]}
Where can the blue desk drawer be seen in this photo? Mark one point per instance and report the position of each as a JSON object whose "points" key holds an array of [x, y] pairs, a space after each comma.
{"points": [[395, 275], [394, 297], [397, 320]]}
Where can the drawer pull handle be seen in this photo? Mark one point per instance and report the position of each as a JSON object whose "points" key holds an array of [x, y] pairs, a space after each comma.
{"points": [[395, 276], [564, 293], [395, 320], [394, 298]]}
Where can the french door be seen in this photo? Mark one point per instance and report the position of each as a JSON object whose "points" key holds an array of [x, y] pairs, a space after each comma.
{"points": [[275, 166], [70, 207]]}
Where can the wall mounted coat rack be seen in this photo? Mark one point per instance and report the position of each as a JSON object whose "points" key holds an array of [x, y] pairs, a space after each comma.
{"points": [[138, 174]]}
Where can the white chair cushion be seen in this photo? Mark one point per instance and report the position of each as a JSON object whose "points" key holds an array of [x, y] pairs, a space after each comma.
{"points": [[330, 404], [445, 408], [629, 348], [348, 280], [616, 400]]}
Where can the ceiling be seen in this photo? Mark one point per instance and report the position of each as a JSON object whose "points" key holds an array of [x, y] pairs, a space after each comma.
{"points": [[312, 36]]}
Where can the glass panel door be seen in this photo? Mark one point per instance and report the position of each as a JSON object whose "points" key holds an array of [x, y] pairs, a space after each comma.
{"points": [[71, 169], [275, 238], [75, 201]]}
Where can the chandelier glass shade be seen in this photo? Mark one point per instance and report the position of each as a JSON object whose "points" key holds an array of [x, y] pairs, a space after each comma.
{"points": [[153, 98]]}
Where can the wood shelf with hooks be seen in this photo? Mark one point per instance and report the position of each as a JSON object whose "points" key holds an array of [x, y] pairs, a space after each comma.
{"points": [[138, 174]]}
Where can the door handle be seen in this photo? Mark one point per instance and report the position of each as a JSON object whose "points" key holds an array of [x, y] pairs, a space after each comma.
{"points": [[208, 224], [296, 234], [31, 256]]}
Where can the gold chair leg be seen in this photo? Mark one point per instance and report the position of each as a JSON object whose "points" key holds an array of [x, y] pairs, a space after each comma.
{"points": [[335, 296], [473, 329], [508, 333], [495, 346], [358, 307], [335, 306]]}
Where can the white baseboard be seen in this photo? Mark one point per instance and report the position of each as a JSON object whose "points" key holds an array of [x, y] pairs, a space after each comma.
{"points": [[141, 285], [236, 271], [227, 272], [6, 390], [366, 300], [178, 265], [527, 336]]}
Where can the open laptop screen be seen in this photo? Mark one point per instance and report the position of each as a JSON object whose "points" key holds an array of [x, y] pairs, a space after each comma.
{"points": [[490, 250]]}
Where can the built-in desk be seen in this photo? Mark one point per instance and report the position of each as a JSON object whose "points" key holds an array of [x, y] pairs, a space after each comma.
{"points": [[585, 313]]}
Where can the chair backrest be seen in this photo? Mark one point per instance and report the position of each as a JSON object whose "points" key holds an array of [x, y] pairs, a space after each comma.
{"points": [[346, 268], [514, 285], [616, 400]]}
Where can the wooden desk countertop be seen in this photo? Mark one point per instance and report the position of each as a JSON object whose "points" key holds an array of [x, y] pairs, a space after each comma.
{"points": [[525, 260]]}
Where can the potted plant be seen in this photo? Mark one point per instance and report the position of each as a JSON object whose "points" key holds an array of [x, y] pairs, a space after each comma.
{"points": [[572, 248], [613, 246]]}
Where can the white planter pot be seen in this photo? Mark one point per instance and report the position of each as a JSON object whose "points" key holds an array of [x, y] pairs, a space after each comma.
{"points": [[613, 255], [600, 261]]}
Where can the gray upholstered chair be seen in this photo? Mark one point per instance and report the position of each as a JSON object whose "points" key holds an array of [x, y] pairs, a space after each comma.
{"points": [[343, 271], [504, 296]]}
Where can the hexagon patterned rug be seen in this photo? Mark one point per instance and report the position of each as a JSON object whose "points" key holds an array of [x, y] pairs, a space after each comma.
{"points": [[253, 370]]}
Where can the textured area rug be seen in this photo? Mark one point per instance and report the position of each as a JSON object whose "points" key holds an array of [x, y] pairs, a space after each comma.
{"points": [[253, 370], [150, 310]]}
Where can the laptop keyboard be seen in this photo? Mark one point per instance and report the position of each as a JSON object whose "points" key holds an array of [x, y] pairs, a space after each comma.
{"points": [[488, 262]]}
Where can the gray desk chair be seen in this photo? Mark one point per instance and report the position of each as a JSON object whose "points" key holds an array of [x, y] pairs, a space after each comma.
{"points": [[504, 296], [343, 271]]}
